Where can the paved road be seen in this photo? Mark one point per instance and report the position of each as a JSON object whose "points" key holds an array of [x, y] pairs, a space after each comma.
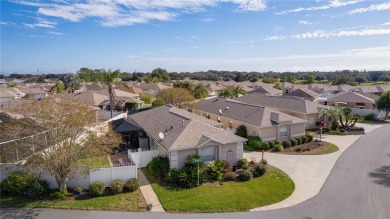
{"points": [[357, 187]]}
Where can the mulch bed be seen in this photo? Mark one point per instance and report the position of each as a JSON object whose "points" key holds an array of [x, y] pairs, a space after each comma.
{"points": [[303, 148]]}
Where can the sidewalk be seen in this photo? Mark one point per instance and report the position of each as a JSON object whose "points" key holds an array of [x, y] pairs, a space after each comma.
{"points": [[148, 193], [309, 172]]}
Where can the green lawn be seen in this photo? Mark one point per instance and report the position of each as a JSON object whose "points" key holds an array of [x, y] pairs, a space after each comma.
{"points": [[370, 83], [133, 201], [95, 161], [273, 187], [373, 122]]}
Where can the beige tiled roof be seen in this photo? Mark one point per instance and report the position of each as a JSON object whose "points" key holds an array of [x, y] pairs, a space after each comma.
{"points": [[244, 112], [90, 98], [350, 97], [288, 103]]}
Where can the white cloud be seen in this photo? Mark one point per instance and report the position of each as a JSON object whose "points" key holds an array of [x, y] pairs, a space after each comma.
{"points": [[380, 29], [207, 20], [4, 23], [379, 7], [128, 12], [41, 23], [331, 4], [305, 22], [55, 33]]}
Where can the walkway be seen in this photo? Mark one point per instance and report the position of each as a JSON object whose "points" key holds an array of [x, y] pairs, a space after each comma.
{"points": [[308, 172], [148, 193]]}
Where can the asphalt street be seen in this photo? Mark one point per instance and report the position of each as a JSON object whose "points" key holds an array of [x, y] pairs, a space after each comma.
{"points": [[357, 187]]}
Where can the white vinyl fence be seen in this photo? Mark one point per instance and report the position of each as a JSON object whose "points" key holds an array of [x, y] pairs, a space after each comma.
{"points": [[142, 157], [82, 178]]}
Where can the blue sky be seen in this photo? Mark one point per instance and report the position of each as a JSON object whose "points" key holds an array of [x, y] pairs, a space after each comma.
{"points": [[194, 35]]}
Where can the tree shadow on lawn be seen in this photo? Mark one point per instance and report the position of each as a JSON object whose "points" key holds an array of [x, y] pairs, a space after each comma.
{"points": [[382, 176]]}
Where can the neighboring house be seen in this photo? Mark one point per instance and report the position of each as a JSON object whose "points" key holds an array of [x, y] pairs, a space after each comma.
{"points": [[294, 106], [370, 91], [351, 99], [10, 93], [260, 121], [150, 88], [264, 88], [214, 88], [177, 134], [35, 93], [92, 99], [305, 93]]}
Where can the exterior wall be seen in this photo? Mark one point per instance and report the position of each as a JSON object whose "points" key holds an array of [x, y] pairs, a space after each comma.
{"points": [[297, 130], [223, 153], [183, 154], [315, 118], [354, 105], [269, 134]]}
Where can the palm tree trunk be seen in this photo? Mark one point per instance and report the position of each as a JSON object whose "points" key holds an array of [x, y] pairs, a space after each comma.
{"points": [[111, 99]]}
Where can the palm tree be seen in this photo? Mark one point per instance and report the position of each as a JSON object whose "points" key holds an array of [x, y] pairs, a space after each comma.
{"points": [[58, 87], [237, 90], [199, 91], [109, 79], [330, 114], [72, 82]]}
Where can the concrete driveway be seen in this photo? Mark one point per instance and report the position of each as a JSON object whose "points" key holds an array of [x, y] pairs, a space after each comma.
{"points": [[308, 172]]}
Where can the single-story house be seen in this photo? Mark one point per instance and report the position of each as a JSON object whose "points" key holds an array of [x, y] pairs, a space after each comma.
{"points": [[351, 99], [305, 93], [265, 88], [260, 121], [177, 133], [294, 106]]}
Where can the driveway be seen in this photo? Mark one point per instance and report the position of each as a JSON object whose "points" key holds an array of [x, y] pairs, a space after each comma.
{"points": [[357, 187]]}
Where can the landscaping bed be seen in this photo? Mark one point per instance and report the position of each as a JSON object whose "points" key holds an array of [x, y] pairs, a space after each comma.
{"points": [[225, 196], [310, 148]]}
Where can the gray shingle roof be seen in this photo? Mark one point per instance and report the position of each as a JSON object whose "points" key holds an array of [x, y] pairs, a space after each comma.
{"points": [[244, 112], [350, 97], [181, 129], [293, 104], [304, 93]]}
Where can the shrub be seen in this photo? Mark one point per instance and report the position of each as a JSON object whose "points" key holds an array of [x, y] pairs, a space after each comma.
{"points": [[276, 142], [116, 186], [299, 141], [59, 194], [303, 139], [215, 170], [172, 176], [244, 175], [264, 161], [271, 144], [96, 188], [298, 149], [241, 131], [369, 117], [241, 163], [188, 177], [131, 185], [230, 176], [16, 183], [265, 146], [259, 170], [248, 147], [309, 138], [36, 189], [294, 142], [227, 165], [278, 148], [255, 142], [286, 143], [159, 166]]}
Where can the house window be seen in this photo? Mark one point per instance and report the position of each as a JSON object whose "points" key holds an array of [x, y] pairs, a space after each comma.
{"points": [[311, 121], [283, 131], [208, 153], [152, 142]]}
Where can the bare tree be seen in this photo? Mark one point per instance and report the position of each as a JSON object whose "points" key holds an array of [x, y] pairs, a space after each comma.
{"points": [[69, 126]]}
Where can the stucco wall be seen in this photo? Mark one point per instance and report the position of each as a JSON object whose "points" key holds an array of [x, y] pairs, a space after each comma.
{"points": [[183, 154], [297, 130], [269, 133], [354, 105], [223, 152], [315, 118]]}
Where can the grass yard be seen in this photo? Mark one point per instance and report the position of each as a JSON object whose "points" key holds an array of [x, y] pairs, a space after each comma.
{"points": [[271, 188], [315, 149], [95, 161], [133, 201]]}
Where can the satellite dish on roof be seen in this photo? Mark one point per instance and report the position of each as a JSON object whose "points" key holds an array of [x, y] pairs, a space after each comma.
{"points": [[161, 135], [220, 111]]}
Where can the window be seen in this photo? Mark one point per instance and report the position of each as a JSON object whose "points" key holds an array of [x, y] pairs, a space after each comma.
{"points": [[208, 153], [283, 131], [311, 121]]}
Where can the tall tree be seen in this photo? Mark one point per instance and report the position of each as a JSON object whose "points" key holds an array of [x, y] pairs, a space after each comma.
{"points": [[68, 123], [291, 79], [330, 116], [384, 103], [109, 79], [147, 98], [72, 82], [160, 74], [199, 91], [360, 79], [343, 79], [238, 90], [309, 79], [178, 97], [58, 87]]}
